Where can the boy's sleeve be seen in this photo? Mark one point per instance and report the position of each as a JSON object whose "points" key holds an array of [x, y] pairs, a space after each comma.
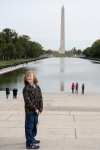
{"points": [[40, 101], [28, 103]]}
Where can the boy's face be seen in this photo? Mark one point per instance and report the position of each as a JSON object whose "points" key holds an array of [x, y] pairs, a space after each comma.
{"points": [[30, 79]]}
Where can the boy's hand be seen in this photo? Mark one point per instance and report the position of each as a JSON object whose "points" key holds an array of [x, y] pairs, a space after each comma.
{"points": [[37, 111]]}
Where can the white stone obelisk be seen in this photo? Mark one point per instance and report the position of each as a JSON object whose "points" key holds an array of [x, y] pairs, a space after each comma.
{"points": [[62, 36]]}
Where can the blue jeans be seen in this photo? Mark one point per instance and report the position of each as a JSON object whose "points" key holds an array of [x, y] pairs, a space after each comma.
{"points": [[31, 121], [72, 90], [7, 95], [14, 96]]}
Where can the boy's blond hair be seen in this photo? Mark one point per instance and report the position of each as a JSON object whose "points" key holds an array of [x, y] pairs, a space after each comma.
{"points": [[34, 77]]}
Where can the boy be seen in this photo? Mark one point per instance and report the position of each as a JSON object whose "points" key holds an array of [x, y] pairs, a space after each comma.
{"points": [[33, 107]]}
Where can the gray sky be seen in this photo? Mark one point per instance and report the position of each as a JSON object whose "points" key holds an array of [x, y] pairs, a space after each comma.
{"points": [[41, 20]]}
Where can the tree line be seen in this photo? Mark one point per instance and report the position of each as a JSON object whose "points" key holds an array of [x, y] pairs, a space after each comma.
{"points": [[13, 46], [93, 51]]}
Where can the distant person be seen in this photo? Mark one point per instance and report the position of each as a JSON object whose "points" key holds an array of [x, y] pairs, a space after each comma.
{"points": [[33, 107], [15, 93], [0, 68], [82, 89], [73, 87], [7, 92], [76, 88]]}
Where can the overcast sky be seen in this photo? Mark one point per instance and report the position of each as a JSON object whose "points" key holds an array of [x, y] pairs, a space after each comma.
{"points": [[41, 21]]}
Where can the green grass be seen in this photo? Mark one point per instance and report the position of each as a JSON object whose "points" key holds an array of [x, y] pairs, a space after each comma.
{"points": [[91, 58], [63, 55], [19, 61]]}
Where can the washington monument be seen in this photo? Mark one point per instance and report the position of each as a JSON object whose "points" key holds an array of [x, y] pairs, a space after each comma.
{"points": [[62, 35]]}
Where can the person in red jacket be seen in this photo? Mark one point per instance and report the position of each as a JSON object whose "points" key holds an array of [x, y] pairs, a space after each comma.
{"points": [[73, 87]]}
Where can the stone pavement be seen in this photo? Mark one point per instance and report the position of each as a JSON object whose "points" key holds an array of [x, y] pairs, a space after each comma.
{"points": [[68, 122]]}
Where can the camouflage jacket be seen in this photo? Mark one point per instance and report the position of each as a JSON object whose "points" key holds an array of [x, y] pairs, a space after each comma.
{"points": [[32, 98]]}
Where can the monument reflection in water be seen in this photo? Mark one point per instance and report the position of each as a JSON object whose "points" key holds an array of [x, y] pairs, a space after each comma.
{"points": [[57, 74]]}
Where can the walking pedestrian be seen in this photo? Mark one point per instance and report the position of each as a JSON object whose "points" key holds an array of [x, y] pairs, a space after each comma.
{"points": [[33, 107], [82, 89], [15, 93], [72, 87], [76, 88], [7, 92]]}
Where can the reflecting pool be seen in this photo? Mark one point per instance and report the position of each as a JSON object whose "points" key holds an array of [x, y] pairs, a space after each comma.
{"points": [[57, 74]]}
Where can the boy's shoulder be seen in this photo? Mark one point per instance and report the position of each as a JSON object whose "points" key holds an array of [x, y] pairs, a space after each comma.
{"points": [[26, 87], [38, 86]]}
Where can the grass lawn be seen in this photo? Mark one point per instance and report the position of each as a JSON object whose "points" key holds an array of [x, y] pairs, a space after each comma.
{"points": [[63, 55], [9, 62]]}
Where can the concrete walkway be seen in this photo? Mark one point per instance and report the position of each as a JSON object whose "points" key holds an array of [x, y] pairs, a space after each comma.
{"points": [[68, 122]]}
